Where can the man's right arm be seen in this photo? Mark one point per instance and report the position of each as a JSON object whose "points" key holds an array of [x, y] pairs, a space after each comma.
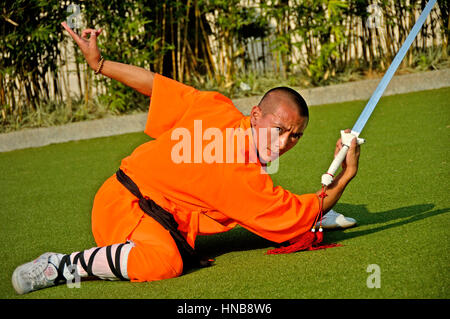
{"points": [[135, 77]]}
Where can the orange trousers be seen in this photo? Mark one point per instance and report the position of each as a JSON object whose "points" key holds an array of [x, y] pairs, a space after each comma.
{"points": [[117, 218]]}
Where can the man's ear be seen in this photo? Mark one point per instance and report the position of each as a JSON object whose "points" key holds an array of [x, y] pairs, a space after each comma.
{"points": [[255, 113]]}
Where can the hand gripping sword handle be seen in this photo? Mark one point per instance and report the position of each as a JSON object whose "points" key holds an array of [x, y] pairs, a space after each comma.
{"points": [[346, 139]]}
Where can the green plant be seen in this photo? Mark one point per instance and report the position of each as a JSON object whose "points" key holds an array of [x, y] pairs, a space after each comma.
{"points": [[212, 44]]}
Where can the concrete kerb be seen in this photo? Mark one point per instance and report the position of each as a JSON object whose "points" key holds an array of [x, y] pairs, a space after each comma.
{"points": [[361, 90]]}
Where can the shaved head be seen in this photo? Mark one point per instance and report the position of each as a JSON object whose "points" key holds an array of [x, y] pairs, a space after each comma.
{"points": [[284, 110], [286, 96]]}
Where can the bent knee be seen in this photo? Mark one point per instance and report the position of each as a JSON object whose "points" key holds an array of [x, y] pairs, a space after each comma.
{"points": [[151, 264]]}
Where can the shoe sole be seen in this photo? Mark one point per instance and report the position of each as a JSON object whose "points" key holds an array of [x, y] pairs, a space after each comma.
{"points": [[15, 282]]}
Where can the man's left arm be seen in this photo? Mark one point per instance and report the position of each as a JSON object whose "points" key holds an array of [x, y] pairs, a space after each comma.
{"points": [[135, 77], [349, 171]]}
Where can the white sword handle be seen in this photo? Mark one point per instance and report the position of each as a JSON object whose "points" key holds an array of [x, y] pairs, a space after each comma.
{"points": [[346, 139]]}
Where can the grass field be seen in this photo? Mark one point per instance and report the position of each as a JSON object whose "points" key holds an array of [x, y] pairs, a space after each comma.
{"points": [[400, 199]]}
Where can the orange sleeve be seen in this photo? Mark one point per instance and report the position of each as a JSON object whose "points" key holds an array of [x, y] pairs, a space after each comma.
{"points": [[271, 212], [169, 102]]}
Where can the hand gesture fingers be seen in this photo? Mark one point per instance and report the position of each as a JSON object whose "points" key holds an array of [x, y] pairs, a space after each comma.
{"points": [[88, 47], [74, 36], [90, 31]]}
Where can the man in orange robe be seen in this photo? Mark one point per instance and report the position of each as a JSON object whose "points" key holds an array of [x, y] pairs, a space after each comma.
{"points": [[186, 173]]}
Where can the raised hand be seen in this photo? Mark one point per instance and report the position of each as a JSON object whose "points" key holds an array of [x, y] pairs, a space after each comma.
{"points": [[135, 77], [89, 46]]}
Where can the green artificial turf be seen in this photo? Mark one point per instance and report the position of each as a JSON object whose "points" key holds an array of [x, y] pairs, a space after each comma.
{"points": [[400, 199]]}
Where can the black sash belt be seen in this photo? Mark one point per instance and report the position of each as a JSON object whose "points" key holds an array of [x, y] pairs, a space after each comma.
{"points": [[188, 254]]}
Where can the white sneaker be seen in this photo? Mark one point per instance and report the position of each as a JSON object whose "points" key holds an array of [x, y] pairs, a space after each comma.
{"points": [[37, 274], [334, 220]]}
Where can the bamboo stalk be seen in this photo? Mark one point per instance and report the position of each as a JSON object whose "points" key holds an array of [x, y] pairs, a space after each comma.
{"points": [[13, 98], [410, 52], [255, 56], [193, 60], [183, 52], [66, 81], [434, 35], [197, 14], [174, 68], [263, 50], [424, 31], [87, 76], [163, 39], [2, 97], [178, 48], [387, 37], [205, 61], [77, 66], [445, 40], [209, 58]]}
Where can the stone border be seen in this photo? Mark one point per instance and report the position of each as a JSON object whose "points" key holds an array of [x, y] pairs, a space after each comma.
{"points": [[361, 90]]}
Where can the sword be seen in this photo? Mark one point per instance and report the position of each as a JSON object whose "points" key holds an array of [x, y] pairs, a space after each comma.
{"points": [[347, 138]]}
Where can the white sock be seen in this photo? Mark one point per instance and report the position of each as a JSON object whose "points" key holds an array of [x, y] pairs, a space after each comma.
{"points": [[102, 262]]}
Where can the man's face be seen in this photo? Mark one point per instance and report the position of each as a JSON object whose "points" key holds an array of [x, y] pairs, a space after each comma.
{"points": [[285, 121]]}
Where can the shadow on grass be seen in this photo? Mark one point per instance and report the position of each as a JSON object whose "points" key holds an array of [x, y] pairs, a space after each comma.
{"points": [[239, 239], [404, 215]]}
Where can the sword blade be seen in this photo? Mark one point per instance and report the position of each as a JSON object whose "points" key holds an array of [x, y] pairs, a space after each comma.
{"points": [[370, 106]]}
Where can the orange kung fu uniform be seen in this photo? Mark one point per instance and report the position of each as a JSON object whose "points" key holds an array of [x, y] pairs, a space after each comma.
{"points": [[204, 198]]}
